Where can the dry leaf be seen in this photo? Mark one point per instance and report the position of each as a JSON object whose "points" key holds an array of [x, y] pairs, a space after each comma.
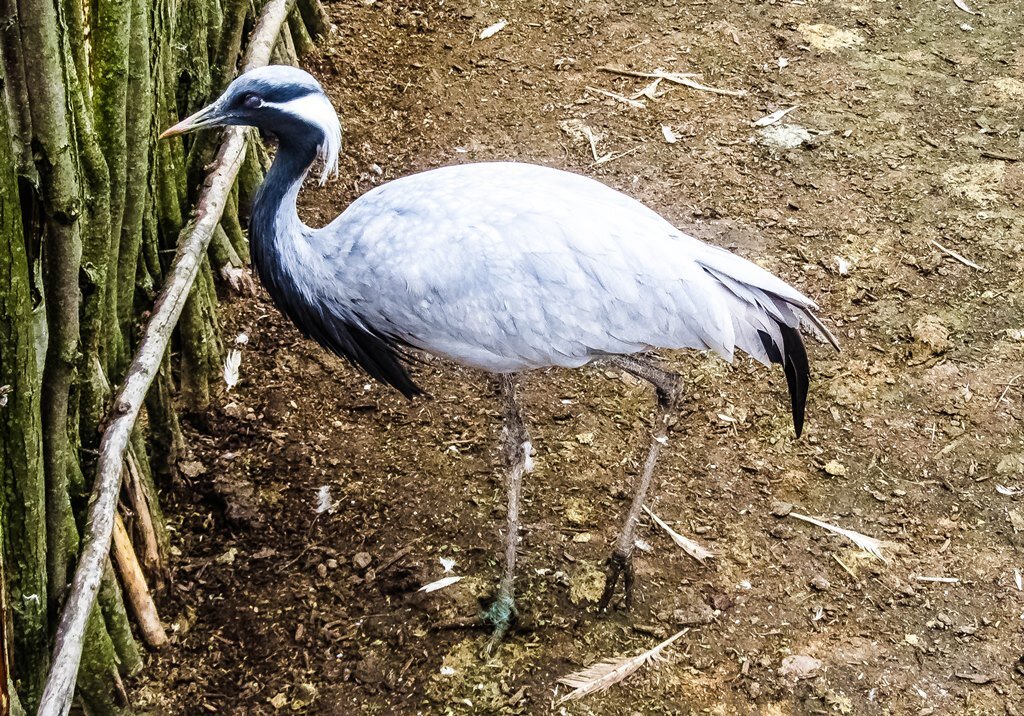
{"points": [[609, 672]]}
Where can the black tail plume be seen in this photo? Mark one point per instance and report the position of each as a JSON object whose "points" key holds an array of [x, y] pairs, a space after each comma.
{"points": [[793, 358]]}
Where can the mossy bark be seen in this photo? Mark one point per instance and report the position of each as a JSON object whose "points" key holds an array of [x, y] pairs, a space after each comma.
{"points": [[62, 208], [91, 208], [22, 483], [138, 136]]}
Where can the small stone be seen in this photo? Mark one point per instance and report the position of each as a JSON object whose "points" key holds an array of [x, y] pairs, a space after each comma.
{"points": [[697, 614], [820, 583], [835, 468], [577, 512], [362, 560], [930, 332], [799, 666], [781, 509], [305, 695], [191, 468], [582, 537], [279, 701], [1010, 464], [783, 136], [321, 570]]}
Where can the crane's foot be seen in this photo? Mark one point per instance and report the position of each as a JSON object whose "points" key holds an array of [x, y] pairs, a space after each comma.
{"points": [[502, 614], [618, 565]]}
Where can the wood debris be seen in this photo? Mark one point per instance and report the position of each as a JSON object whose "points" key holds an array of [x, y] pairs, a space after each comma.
{"points": [[955, 255], [636, 104], [679, 78], [939, 580]]}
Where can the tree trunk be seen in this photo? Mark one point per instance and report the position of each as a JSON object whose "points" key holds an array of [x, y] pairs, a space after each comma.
{"points": [[91, 210], [22, 486]]}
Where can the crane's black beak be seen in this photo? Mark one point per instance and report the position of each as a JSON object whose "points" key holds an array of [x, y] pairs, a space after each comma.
{"points": [[208, 116]]}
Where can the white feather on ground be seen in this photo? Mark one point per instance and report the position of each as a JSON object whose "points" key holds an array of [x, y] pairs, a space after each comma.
{"points": [[323, 500], [869, 544], [439, 584], [684, 543], [232, 362], [609, 672]]}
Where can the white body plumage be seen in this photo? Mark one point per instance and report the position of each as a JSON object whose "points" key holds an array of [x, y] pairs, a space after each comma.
{"points": [[508, 266]]}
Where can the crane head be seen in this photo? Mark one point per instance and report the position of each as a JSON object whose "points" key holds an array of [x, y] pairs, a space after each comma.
{"points": [[280, 100]]}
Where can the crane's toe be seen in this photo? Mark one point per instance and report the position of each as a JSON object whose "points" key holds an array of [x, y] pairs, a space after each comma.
{"points": [[502, 614], [618, 565]]}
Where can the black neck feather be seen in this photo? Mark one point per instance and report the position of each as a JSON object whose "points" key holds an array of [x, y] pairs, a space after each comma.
{"points": [[274, 214]]}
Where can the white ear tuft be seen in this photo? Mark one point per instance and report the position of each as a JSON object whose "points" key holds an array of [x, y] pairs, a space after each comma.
{"points": [[315, 109], [330, 148]]}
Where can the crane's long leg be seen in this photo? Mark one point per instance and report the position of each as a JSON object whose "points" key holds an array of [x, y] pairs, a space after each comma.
{"points": [[515, 448], [620, 563]]}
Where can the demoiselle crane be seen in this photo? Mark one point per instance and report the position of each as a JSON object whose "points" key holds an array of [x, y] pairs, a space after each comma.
{"points": [[504, 267]]}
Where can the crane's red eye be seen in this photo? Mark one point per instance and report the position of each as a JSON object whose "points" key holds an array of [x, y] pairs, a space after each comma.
{"points": [[252, 101]]}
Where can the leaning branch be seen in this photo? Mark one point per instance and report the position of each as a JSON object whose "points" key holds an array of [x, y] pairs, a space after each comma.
{"points": [[67, 652]]}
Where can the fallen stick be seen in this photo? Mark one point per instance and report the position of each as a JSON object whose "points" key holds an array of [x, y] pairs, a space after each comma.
{"points": [[940, 580], [151, 556], [136, 591], [633, 73], [636, 104], [679, 78], [954, 254], [67, 650]]}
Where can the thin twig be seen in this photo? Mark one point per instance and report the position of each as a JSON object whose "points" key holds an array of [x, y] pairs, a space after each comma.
{"points": [[633, 73], [67, 651], [954, 254], [612, 157], [636, 104], [1008, 386], [136, 591], [941, 580], [988, 154], [845, 568], [678, 78]]}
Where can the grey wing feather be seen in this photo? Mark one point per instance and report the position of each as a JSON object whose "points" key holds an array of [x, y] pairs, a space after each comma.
{"points": [[510, 266]]}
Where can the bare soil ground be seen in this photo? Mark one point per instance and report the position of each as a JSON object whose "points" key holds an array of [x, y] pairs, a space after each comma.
{"points": [[909, 116]]}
